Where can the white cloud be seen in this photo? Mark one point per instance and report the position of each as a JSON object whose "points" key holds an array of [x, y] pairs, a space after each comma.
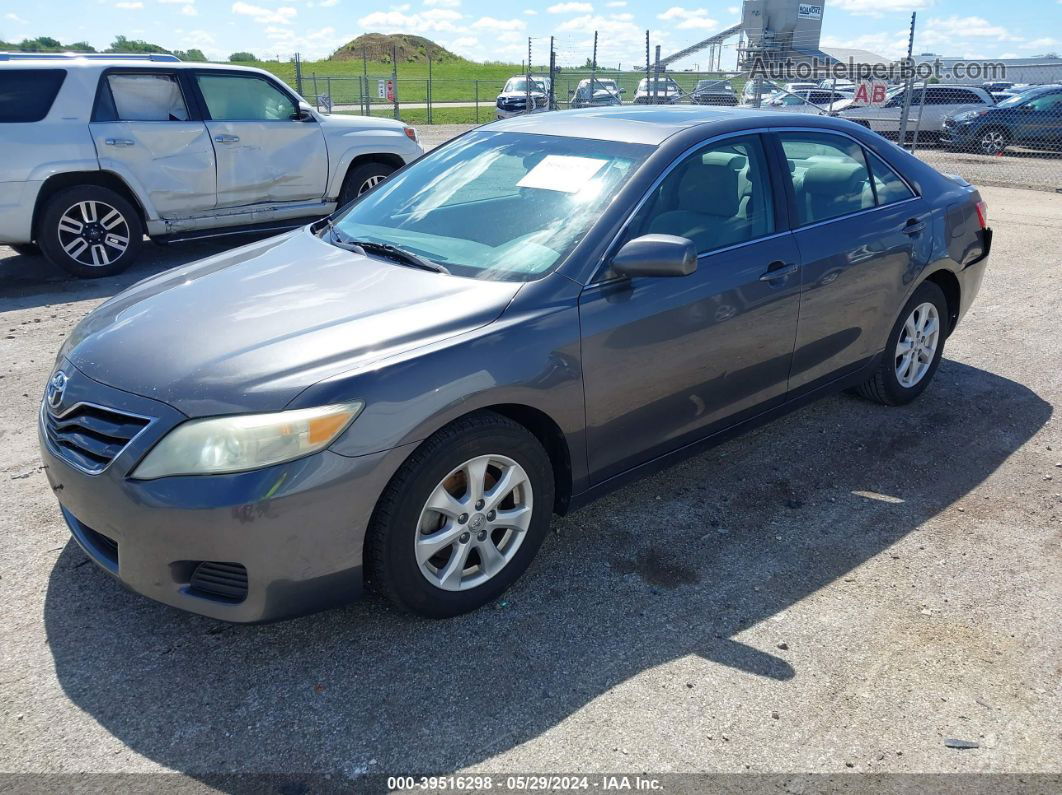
{"points": [[732, 10], [946, 30], [623, 4], [532, 13], [280, 16], [490, 23], [688, 18], [129, 6], [1046, 41], [570, 8], [875, 8], [177, 2], [891, 45], [12, 17], [435, 19], [328, 3], [443, 3]]}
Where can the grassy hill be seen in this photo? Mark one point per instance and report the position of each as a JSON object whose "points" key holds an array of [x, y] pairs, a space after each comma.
{"points": [[379, 47]]}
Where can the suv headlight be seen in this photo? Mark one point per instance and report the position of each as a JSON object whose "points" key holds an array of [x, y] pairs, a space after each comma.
{"points": [[968, 115], [245, 441]]}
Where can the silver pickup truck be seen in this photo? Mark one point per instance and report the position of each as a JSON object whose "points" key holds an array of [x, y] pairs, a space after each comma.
{"points": [[101, 150]]}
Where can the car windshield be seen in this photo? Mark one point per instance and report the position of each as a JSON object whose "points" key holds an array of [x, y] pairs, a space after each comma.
{"points": [[659, 84], [520, 84], [494, 205]]}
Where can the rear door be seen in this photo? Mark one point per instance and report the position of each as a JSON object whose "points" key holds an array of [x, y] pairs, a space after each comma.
{"points": [[147, 131], [862, 233], [669, 360], [266, 151], [1039, 121]]}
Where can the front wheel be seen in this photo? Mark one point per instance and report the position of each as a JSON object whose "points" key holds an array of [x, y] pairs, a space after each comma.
{"points": [[90, 231], [913, 351], [362, 179], [463, 517], [993, 141]]}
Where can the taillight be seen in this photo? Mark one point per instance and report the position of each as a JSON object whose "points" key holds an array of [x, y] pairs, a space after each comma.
{"points": [[411, 134], [982, 213]]}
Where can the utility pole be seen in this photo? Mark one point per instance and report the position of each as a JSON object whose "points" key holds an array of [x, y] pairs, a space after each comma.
{"points": [[527, 102], [647, 64], [909, 90], [394, 77], [656, 75], [552, 76], [593, 71]]}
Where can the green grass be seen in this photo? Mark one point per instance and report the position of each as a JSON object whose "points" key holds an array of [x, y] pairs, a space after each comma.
{"points": [[439, 114]]}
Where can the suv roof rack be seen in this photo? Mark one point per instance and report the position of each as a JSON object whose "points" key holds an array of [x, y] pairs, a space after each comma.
{"points": [[98, 56]]}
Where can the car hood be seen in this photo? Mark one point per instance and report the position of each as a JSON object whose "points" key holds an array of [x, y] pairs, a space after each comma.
{"points": [[519, 94], [249, 329]]}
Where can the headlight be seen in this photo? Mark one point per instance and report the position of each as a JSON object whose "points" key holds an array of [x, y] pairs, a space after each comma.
{"points": [[245, 441], [968, 115]]}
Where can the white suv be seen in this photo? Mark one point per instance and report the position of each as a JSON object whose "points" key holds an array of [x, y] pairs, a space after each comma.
{"points": [[941, 101], [101, 150]]}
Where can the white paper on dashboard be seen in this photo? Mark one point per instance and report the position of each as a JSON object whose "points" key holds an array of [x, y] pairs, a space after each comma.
{"points": [[562, 173]]}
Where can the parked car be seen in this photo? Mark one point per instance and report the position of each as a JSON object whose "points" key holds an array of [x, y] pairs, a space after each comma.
{"points": [[1032, 118], [814, 100], [658, 91], [838, 85], [101, 150], [406, 392], [997, 85], [800, 86], [748, 93], [605, 93], [941, 101], [513, 100], [713, 92]]}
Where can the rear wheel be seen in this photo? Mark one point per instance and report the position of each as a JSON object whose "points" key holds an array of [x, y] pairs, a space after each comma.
{"points": [[913, 351], [362, 179], [463, 517], [90, 231]]}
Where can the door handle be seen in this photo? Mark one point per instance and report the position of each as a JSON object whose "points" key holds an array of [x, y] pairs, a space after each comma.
{"points": [[227, 139], [118, 142], [914, 226], [779, 270]]}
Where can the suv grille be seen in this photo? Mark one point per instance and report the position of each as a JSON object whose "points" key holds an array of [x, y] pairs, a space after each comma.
{"points": [[226, 581], [90, 437]]}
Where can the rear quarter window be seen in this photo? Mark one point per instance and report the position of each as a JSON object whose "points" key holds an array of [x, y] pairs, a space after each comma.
{"points": [[26, 95]]}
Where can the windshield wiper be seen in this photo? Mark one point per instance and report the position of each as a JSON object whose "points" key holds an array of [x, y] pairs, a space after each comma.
{"points": [[386, 250]]}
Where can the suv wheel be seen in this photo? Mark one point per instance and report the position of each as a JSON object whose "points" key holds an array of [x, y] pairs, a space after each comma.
{"points": [[993, 141], [90, 231], [362, 179], [463, 517], [913, 351]]}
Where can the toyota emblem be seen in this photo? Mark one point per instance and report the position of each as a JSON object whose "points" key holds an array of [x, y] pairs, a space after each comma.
{"points": [[56, 388]]}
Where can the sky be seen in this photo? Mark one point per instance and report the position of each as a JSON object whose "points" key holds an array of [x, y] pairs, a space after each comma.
{"points": [[499, 29]]}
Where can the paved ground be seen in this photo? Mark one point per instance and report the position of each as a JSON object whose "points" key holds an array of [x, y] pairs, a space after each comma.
{"points": [[840, 591]]}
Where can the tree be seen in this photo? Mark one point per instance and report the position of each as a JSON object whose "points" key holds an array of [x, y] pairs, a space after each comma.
{"points": [[190, 55], [122, 44], [236, 57]]}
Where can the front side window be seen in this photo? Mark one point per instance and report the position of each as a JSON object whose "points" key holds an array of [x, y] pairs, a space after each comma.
{"points": [[829, 176], [1046, 102], [493, 205], [718, 197], [244, 98], [147, 97], [26, 95]]}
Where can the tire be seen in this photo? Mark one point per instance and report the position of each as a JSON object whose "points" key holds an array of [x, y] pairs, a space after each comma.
{"points": [[992, 141], [26, 249], [361, 179], [403, 521], [79, 231], [885, 385]]}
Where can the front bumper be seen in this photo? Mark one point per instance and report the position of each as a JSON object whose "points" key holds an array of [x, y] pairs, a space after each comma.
{"points": [[297, 529], [958, 135]]}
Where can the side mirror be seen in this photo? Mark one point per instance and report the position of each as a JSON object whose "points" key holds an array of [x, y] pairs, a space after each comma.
{"points": [[656, 255], [302, 114], [623, 91]]}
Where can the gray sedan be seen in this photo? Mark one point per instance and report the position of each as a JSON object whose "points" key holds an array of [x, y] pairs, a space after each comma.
{"points": [[404, 393]]}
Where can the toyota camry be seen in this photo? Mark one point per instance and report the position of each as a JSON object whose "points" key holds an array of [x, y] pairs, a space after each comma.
{"points": [[404, 393]]}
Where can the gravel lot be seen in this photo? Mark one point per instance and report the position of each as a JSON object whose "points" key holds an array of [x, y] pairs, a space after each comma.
{"points": [[840, 591]]}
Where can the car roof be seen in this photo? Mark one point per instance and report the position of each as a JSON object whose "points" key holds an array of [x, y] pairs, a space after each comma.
{"points": [[100, 61], [652, 124]]}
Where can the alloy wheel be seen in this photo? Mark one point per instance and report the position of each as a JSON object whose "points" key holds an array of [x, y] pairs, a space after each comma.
{"points": [[993, 142], [917, 344], [370, 183], [93, 233], [474, 522]]}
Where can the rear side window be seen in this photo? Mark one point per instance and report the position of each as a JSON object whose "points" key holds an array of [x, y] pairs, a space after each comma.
{"points": [[890, 188], [147, 97], [829, 175], [26, 95]]}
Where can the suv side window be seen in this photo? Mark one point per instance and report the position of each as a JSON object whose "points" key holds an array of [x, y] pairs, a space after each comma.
{"points": [[829, 175], [147, 97], [887, 183], [26, 95], [1046, 102], [244, 98], [717, 197]]}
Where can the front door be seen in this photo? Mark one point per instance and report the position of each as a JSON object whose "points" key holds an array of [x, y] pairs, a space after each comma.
{"points": [[144, 132], [266, 151], [862, 240], [667, 361], [1040, 120]]}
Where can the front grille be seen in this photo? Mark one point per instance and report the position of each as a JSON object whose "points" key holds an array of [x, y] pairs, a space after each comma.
{"points": [[227, 581], [90, 437]]}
